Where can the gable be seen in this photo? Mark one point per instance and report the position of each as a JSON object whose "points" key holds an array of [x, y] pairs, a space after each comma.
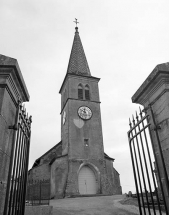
{"points": [[49, 155]]}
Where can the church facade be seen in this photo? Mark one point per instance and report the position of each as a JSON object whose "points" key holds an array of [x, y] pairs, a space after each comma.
{"points": [[77, 165]]}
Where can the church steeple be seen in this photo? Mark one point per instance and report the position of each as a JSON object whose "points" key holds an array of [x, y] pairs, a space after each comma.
{"points": [[78, 62]]}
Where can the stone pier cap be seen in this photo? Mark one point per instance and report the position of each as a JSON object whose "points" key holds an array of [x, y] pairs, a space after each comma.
{"points": [[156, 84], [9, 66]]}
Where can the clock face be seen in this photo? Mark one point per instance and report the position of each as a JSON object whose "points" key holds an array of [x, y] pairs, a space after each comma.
{"points": [[84, 112]]}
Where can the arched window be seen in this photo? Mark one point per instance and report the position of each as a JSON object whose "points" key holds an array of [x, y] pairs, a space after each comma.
{"points": [[87, 93], [80, 91]]}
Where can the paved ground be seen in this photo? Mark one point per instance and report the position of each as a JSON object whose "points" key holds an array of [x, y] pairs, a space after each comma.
{"points": [[103, 205]]}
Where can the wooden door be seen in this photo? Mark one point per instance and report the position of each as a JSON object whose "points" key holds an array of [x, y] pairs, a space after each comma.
{"points": [[87, 181]]}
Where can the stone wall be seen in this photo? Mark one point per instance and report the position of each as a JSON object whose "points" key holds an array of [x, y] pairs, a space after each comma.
{"points": [[117, 185], [113, 178], [59, 172], [52, 153], [42, 168], [49, 155], [7, 117], [38, 210], [40, 172]]}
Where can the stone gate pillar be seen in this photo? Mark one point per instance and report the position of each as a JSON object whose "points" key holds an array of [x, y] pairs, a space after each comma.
{"points": [[12, 88], [155, 92]]}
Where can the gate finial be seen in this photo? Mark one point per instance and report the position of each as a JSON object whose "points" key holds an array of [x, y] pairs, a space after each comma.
{"points": [[133, 119], [137, 116], [130, 124], [141, 115]]}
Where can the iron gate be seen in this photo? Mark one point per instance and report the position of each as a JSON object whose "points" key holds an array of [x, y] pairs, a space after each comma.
{"points": [[38, 192], [150, 194], [17, 176]]}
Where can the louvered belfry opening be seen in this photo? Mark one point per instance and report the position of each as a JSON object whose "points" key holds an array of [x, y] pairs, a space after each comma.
{"points": [[80, 91], [87, 93]]}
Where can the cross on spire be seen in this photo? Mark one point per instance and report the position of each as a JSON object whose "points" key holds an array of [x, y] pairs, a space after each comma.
{"points": [[76, 22]]}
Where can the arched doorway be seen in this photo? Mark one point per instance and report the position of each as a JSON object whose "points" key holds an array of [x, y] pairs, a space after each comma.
{"points": [[87, 181]]}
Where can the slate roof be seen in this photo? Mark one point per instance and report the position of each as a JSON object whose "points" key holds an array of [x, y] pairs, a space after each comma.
{"points": [[78, 62], [58, 149]]}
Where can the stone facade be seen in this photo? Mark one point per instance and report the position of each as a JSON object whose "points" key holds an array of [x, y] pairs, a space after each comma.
{"points": [[81, 143], [63, 173]]}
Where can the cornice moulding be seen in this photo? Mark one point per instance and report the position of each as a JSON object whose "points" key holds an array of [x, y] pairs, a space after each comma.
{"points": [[69, 75], [10, 65], [152, 88], [10, 80]]}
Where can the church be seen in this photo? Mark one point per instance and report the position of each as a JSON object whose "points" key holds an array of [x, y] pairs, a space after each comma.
{"points": [[78, 165]]}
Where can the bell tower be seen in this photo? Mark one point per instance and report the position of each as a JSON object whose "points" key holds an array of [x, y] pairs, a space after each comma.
{"points": [[81, 127], [80, 108]]}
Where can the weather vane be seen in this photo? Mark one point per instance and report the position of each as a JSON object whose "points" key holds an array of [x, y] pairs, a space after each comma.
{"points": [[76, 22]]}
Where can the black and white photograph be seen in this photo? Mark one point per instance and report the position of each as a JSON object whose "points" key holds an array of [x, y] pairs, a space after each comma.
{"points": [[84, 107]]}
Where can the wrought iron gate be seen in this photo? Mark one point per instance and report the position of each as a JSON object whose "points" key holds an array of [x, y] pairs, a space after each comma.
{"points": [[38, 192], [17, 176], [150, 194]]}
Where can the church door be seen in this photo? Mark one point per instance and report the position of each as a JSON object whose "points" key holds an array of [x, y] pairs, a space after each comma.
{"points": [[87, 181]]}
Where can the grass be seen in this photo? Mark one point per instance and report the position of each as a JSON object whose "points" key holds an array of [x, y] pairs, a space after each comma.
{"points": [[129, 201]]}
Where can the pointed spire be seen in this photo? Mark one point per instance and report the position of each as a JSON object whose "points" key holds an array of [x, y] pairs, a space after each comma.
{"points": [[78, 62]]}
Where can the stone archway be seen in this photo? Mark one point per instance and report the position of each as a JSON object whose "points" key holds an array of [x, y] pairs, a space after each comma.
{"points": [[87, 181]]}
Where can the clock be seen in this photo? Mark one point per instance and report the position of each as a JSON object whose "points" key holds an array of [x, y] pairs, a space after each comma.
{"points": [[84, 112]]}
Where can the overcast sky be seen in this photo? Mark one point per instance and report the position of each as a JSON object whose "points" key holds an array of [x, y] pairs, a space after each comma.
{"points": [[123, 41]]}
